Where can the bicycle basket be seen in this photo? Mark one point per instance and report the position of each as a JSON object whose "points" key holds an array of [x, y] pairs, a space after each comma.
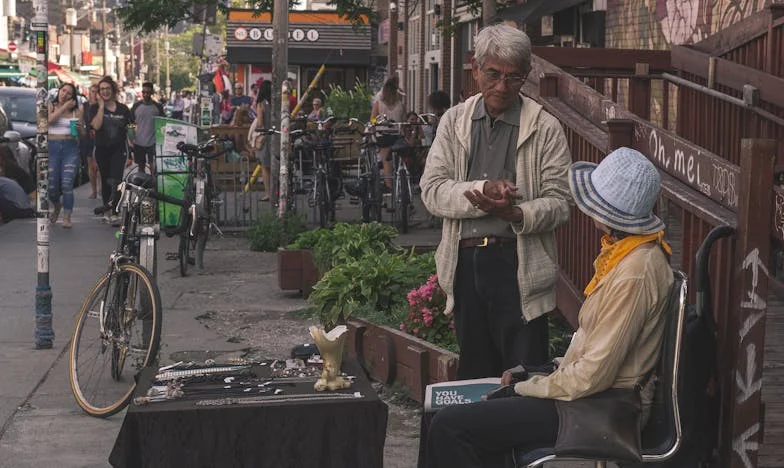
{"points": [[385, 139]]}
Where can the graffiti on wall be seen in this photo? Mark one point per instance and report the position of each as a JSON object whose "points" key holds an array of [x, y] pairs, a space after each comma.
{"points": [[659, 24]]}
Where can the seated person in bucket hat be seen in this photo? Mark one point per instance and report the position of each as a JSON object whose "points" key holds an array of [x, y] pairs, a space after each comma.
{"points": [[621, 324]]}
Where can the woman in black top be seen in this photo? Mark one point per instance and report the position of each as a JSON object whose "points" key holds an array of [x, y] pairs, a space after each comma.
{"points": [[110, 120]]}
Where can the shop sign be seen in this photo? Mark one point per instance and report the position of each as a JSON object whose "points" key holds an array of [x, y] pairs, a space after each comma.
{"points": [[257, 34]]}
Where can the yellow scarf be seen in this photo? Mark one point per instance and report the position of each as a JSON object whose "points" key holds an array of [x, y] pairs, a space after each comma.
{"points": [[613, 252]]}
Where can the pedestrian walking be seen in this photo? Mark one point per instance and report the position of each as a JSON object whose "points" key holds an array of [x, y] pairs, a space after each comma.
{"points": [[144, 113], [65, 118], [497, 175], [178, 106], [87, 142], [261, 143], [110, 119]]}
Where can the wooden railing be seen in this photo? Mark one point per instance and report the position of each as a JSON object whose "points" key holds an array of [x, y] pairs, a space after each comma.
{"points": [[700, 190]]}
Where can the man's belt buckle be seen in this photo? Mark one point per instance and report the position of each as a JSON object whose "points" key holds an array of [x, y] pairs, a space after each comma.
{"points": [[484, 242]]}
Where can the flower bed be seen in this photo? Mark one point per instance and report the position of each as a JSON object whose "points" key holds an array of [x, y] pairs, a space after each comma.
{"points": [[390, 355]]}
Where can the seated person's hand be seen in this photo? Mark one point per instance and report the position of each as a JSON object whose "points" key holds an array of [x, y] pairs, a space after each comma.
{"points": [[514, 375], [504, 391]]}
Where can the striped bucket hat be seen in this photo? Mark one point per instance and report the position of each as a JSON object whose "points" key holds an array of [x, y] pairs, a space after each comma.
{"points": [[620, 192]]}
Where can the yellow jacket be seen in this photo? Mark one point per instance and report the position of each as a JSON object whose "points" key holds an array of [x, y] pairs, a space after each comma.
{"points": [[620, 334]]}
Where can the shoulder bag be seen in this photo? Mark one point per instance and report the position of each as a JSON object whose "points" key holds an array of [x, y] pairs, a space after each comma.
{"points": [[604, 426]]}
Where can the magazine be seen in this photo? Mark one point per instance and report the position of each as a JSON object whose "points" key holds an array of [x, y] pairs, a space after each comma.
{"points": [[459, 392]]}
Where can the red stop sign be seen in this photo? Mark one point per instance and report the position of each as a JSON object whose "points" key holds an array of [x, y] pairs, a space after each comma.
{"points": [[12, 46]]}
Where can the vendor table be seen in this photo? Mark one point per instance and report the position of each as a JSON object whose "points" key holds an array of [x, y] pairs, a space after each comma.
{"points": [[330, 433]]}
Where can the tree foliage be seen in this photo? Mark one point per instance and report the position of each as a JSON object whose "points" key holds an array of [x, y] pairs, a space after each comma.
{"points": [[150, 15]]}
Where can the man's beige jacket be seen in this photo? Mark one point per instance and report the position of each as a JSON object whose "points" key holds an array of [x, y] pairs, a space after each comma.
{"points": [[543, 161]]}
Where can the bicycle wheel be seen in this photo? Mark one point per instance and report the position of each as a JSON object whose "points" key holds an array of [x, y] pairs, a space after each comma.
{"points": [[102, 366], [401, 202], [182, 253], [371, 201], [201, 241], [323, 203]]}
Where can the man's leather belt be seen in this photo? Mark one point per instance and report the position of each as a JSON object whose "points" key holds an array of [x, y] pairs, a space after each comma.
{"points": [[485, 241]]}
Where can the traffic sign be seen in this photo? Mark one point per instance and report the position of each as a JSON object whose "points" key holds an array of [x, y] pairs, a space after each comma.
{"points": [[12, 46]]}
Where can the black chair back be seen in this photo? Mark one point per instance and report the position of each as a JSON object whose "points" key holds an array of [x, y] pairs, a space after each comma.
{"points": [[663, 432]]}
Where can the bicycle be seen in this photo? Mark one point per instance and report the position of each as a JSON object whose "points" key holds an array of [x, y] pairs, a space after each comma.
{"points": [[125, 303], [201, 188], [368, 188], [326, 180]]}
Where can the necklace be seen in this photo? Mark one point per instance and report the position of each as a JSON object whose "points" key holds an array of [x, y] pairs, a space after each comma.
{"points": [[278, 399]]}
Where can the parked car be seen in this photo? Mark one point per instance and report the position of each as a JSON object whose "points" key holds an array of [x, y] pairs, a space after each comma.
{"points": [[19, 105]]}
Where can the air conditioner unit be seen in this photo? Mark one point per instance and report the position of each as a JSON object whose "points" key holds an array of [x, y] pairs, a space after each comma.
{"points": [[567, 40], [599, 5]]}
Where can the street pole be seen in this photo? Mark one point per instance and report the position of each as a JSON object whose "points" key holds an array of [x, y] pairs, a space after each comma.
{"points": [[132, 40], [157, 77], [44, 334], [103, 38], [119, 66], [280, 101], [166, 51]]}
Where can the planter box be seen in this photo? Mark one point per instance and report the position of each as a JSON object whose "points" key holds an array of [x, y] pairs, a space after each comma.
{"points": [[389, 355], [297, 270]]}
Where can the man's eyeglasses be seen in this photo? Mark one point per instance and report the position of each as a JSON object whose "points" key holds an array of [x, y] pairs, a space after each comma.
{"points": [[511, 79]]}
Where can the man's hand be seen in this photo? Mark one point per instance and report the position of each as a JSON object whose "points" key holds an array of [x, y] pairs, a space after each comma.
{"points": [[500, 189], [503, 208]]}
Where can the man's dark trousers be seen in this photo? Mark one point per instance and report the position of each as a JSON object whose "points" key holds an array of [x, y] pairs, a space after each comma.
{"points": [[492, 334]]}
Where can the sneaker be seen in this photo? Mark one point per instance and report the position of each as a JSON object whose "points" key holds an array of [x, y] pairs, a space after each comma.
{"points": [[99, 210], [55, 213]]}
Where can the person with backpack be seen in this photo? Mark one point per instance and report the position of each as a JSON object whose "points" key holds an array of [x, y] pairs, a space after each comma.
{"points": [[618, 343]]}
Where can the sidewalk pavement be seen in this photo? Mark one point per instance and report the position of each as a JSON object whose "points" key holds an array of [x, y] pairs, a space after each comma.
{"points": [[40, 423]]}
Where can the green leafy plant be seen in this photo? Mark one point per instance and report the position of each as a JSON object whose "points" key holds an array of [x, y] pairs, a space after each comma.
{"points": [[378, 281], [426, 318], [345, 242], [308, 240], [350, 103], [271, 232]]}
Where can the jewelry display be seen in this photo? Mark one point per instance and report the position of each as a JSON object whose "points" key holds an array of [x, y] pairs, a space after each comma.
{"points": [[278, 399], [241, 381]]}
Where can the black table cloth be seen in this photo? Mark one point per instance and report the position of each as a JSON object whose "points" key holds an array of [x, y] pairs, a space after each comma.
{"points": [[339, 433]]}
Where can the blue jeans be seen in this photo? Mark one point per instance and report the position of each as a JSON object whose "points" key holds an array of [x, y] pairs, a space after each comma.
{"points": [[63, 164]]}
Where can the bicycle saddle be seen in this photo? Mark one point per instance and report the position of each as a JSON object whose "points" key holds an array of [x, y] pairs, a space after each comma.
{"points": [[142, 179]]}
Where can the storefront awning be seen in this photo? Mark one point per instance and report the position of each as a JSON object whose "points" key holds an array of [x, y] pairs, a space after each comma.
{"points": [[11, 73], [300, 56]]}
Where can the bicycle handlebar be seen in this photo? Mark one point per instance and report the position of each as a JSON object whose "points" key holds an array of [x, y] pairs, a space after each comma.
{"points": [[267, 131], [165, 198]]}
